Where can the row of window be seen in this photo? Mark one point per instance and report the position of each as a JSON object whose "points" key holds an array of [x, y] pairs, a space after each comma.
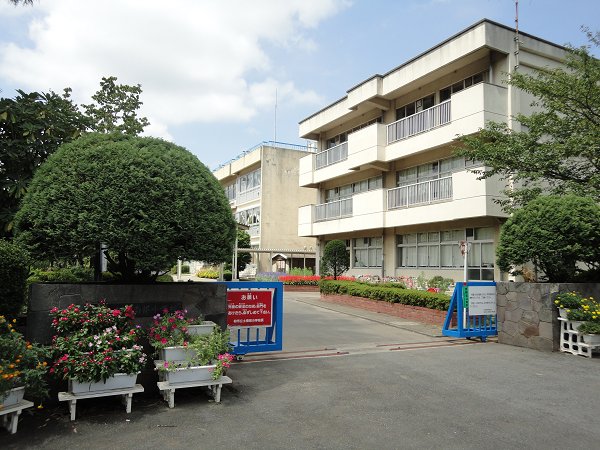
{"points": [[243, 183], [437, 249], [348, 190], [249, 216], [433, 170]]}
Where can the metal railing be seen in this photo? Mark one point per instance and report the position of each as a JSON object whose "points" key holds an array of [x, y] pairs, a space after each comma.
{"points": [[333, 210], [249, 195], [302, 148], [420, 122], [332, 155], [419, 193]]}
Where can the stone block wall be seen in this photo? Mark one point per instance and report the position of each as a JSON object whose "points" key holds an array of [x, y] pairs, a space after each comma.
{"points": [[527, 316]]}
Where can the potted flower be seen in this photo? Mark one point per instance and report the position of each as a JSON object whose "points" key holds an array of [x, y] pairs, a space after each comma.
{"points": [[96, 347], [209, 360], [23, 367], [171, 332], [591, 332], [566, 301]]}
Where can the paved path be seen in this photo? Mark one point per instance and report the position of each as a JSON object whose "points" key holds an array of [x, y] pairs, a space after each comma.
{"points": [[387, 391]]}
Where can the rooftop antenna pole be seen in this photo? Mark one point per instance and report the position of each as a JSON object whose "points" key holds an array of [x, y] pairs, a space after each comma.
{"points": [[516, 34], [275, 138]]}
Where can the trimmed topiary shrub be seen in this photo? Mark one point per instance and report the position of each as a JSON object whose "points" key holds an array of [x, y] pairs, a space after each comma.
{"points": [[208, 273], [388, 293], [14, 270]]}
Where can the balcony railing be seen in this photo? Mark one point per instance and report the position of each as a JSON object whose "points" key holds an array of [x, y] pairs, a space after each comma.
{"points": [[333, 210], [420, 193], [420, 122], [332, 155], [249, 195], [254, 230]]}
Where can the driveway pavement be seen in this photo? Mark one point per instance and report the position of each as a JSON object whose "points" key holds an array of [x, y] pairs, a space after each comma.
{"points": [[353, 380]]}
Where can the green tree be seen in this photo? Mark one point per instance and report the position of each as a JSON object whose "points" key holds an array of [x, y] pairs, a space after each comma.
{"points": [[148, 201], [243, 258], [559, 149], [558, 234], [32, 126], [336, 259], [115, 108], [14, 270]]}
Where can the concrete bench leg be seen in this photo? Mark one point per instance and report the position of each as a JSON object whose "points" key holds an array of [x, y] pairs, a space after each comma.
{"points": [[12, 421], [171, 397], [72, 408], [127, 401]]}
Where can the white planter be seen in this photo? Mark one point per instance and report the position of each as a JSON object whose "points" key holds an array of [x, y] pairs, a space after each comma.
{"points": [[176, 353], [562, 312], [205, 328], [13, 396], [187, 374], [591, 339], [575, 324], [117, 381]]}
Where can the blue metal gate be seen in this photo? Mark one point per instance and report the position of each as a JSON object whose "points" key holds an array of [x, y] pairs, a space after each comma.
{"points": [[253, 339], [469, 325]]}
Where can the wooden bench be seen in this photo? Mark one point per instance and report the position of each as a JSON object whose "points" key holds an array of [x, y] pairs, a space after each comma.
{"points": [[10, 419], [168, 390], [126, 396]]}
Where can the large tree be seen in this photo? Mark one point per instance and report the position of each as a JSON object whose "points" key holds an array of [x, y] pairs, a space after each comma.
{"points": [[559, 148], [32, 126], [148, 201], [115, 108]]}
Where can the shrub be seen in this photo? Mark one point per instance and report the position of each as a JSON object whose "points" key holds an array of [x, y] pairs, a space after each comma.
{"points": [[336, 258], [300, 280], [208, 273], [165, 278], [14, 269], [299, 271], [560, 234], [75, 274], [441, 283], [390, 294], [227, 275]]}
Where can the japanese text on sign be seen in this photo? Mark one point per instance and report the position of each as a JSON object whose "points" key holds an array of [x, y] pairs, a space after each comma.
{"points": [[250, 308], [482, 300]]}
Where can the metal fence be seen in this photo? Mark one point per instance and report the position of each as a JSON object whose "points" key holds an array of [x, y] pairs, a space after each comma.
{"points": [[420, 122], [419, 193]]}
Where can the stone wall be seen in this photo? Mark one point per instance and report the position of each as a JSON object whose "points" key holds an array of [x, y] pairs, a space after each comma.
{"points": [[527, 316], [208, 299]]}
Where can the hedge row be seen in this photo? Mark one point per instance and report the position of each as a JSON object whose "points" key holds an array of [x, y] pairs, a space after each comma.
{"points": [[386, 293]]}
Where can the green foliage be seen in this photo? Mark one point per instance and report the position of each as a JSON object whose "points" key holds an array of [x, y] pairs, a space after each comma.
{"points": [[75, 274], [440, 283], [227, 275], [185, 268], [559, 149], [32, 127], [149, 201], [299, 271], [14, 270], [165, 278], [557, 234], [244, 257], [209, 272], [336, 259], [115, 108], [390, 294], [568, 300], [589, 328]]}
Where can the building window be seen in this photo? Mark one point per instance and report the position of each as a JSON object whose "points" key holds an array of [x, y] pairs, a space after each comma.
{"points": [[368, 252], [433, 170], [347, 190], [248, 181], [441, 250], [415, 107], [230, 192], [446, 93], [343, 137], [248, 216]]}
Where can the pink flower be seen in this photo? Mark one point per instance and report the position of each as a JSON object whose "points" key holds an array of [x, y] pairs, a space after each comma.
{"points": [[116, 312], [164, 340]]}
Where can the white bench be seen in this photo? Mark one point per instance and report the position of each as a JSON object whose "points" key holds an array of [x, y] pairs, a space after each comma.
{"points": [[10, 419], [168, 390], [126, 396]]}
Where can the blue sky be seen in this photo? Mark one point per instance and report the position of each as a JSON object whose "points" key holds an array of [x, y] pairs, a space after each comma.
{"points": [[209, 70]]}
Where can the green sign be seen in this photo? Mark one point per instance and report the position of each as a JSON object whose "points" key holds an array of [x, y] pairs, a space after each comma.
{"points": [[465, 296]]}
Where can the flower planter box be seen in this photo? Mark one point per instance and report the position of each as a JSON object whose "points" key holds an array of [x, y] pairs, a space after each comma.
{"points": [[592, 339], [206, 327], [117, 381], [179, 353], [13, 396], [186, 374]]}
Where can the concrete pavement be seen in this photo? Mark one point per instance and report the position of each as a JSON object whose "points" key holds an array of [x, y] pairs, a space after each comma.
{"points": [[375, 385]]}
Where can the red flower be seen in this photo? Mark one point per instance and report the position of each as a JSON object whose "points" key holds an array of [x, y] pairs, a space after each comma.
{"points": [[116, 312]]}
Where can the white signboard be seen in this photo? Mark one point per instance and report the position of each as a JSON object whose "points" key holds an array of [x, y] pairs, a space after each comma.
{"points": [[482, 300]]}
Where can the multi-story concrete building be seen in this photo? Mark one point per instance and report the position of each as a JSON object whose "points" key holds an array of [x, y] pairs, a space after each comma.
{"points": [[263, 190], [387, 181]]}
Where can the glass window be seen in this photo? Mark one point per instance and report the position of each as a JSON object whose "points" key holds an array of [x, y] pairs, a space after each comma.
{"points": [[428, 101], [478, 78], [445, 94], [375, 183], [368, 252], [457, 87], [484, 233]]}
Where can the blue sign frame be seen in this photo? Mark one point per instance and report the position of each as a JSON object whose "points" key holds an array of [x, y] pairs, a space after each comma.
{"points": [[469, 326], [266, 339]]}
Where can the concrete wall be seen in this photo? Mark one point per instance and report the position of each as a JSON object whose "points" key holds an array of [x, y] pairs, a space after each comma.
{"points": [[527, 316], [208, 299]]}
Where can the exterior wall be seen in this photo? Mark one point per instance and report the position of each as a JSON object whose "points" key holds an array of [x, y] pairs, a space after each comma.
{"points": [[485, 48], [527, 316], [279, 197]]}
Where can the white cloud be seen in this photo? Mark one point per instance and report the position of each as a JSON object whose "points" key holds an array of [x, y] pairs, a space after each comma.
{"points": [[196, 60]]}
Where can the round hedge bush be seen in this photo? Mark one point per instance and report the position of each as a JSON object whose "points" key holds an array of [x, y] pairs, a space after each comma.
{"points": [[14, 270]]}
